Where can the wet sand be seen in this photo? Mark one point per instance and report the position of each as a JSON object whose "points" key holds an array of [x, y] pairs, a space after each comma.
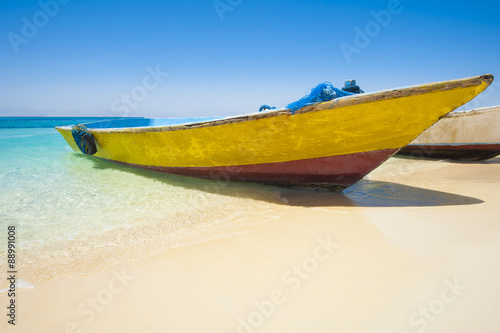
{"points": [[413, 248]]}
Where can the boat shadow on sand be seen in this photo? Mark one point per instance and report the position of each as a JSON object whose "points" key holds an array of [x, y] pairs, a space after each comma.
{"points": [[365, 193]]}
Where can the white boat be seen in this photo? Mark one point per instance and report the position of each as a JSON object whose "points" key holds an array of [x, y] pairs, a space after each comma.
{"points": [[461, 135]]}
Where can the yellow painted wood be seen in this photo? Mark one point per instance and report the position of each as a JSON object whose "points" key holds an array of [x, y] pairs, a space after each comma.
{"points": [[334, 130]]}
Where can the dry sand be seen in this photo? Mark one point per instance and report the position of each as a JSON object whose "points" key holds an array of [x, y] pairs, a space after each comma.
{"points": [[415, 248]]}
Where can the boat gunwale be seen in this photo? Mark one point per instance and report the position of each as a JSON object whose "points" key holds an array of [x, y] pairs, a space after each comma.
{"points": [[336, 103]]}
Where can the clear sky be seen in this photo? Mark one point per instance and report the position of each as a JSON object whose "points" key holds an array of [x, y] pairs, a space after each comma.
{"points": [[205, 57]]}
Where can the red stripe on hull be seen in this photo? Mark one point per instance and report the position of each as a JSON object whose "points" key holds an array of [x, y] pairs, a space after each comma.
{"points": [[465, 152], [334, 172]]}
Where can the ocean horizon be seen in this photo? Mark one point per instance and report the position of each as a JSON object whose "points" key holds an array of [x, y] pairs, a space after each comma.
{"points": [[47, 122]]}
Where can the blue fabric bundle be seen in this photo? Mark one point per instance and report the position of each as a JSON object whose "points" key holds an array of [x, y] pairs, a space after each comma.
{"points": [[323, 92]]}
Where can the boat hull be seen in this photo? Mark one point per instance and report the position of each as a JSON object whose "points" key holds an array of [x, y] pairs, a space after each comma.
{"points": [[333, 173], [472, 135], [346, 138], [460, 152]]}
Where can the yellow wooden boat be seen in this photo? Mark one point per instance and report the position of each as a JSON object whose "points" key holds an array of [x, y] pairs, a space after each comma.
{"points": [[327, 145]]}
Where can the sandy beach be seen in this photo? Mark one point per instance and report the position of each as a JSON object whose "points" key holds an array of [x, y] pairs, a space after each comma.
{"points": [[413, 248]]}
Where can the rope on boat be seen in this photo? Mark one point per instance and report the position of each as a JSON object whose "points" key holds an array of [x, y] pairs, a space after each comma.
{"points": [[84, 139]]}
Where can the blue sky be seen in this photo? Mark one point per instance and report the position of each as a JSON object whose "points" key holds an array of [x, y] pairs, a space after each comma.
{"points": [[198, 58]]}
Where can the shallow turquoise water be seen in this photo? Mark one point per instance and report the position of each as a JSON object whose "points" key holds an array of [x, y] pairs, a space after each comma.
{"points": [[69, 208]]}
